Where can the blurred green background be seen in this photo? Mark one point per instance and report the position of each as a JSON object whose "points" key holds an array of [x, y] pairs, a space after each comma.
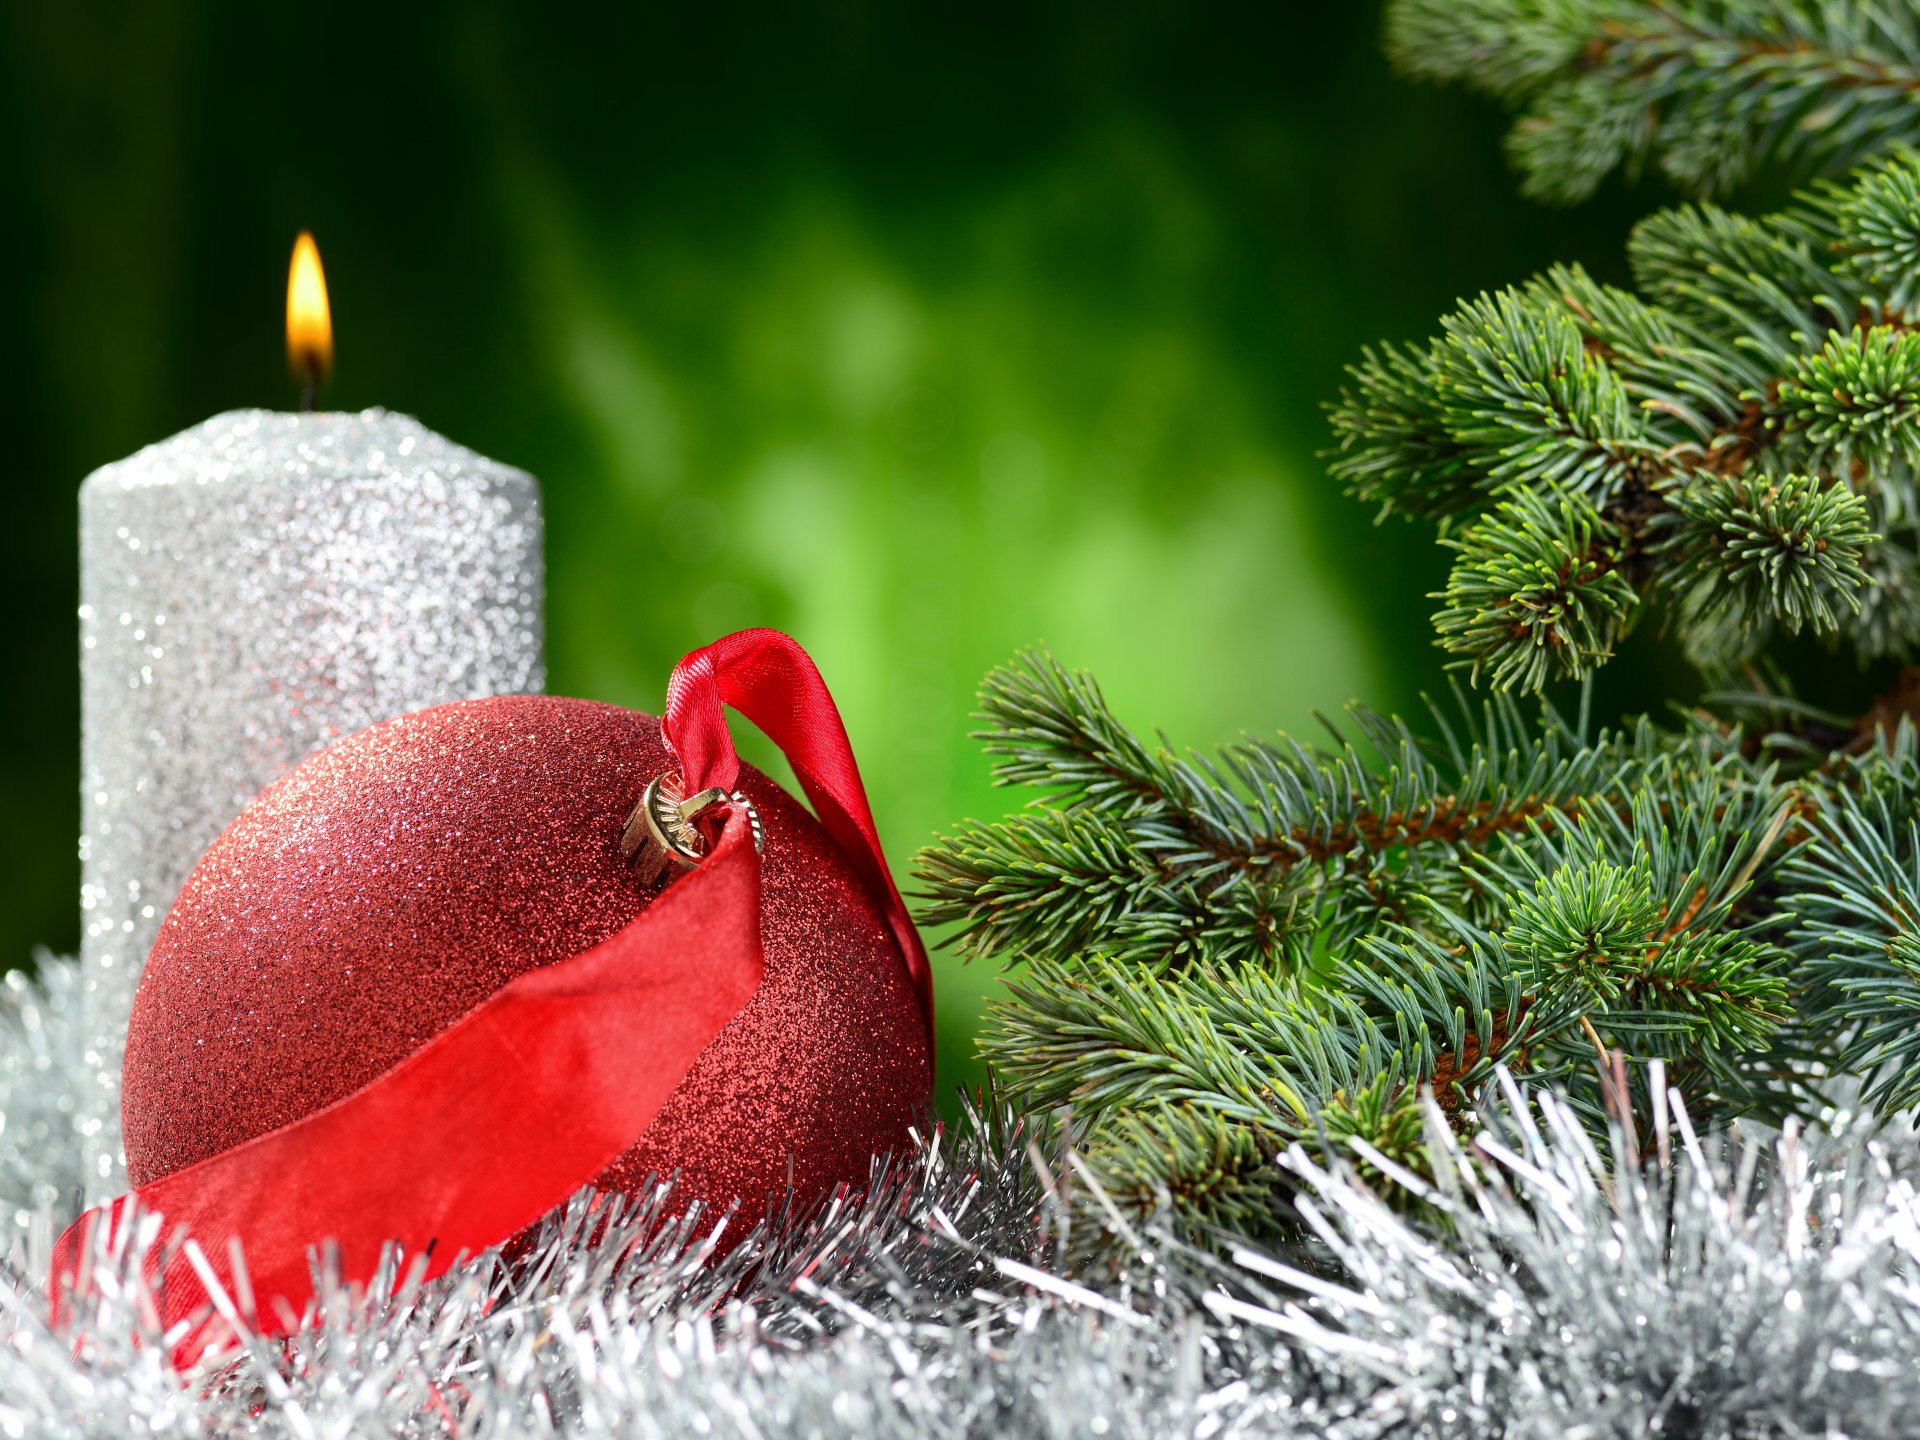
{"points": [[922, 332]]}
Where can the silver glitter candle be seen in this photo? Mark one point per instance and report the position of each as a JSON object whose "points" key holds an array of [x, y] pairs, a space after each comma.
{"points": [[252, 590]]}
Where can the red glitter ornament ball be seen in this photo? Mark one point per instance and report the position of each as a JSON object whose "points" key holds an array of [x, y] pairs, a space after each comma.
{"points": [[388, 885]]}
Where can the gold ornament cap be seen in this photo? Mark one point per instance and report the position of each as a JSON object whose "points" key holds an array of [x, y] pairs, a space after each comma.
{"points": [[663, 830]]}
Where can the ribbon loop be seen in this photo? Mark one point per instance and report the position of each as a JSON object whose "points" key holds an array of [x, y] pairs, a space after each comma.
{"points": [[768, 678]]}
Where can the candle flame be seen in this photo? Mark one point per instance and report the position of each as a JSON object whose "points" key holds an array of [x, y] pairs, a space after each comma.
{"points": [[309, 323]]}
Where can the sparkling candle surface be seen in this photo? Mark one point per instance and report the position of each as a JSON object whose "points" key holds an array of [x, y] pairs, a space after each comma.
{"points": [[253, 589]]}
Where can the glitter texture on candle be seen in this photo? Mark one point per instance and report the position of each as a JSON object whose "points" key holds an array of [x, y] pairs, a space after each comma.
{"points": [[252, 590]]}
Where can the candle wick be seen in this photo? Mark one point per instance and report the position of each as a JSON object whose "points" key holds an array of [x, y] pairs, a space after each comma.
{"points": [[309, 387]]}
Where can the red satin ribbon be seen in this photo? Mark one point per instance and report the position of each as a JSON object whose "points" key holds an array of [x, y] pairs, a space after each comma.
{"points": [[768, 678], [528, 1096]]}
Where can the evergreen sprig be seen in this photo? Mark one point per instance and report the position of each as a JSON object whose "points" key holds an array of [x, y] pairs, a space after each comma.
{"points": [[1516, 892], [1856, 399], [1735, 445], [1704, 89], [1789, 549], [1524, 406], [1538, 592], [1222, 957], [1265, 851], [1857, 913], [1878, 228]]}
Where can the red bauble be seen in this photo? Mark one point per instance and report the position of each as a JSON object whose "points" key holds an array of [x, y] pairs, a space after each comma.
{"points": [[387, 886]]}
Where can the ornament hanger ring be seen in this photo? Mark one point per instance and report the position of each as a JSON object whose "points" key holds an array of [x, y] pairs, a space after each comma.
{"points": [[663, 828]]}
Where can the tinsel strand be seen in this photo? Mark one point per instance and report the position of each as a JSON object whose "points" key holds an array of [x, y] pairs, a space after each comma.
{"points": [[1546, 1283]]}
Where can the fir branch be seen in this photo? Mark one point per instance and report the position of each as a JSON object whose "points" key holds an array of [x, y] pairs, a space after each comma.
{"points": [[1528, 405], [1264, 854], [1857, 399], [1685, 385], [1537, 594], [1598, 930], [1287, 942], [1790, 551], [1752, 288], [1453, 1000], [1050, 727], [1188, 1082], [1854, 893], [1099, 1034], [1640, 917], [1395, 446], [1382, 1123], [1060, 879], [1876, 228], [1202, 1169], [1738, 439], [1106, 1037], [1706, 89], [1495, 899], [1888, 621]]}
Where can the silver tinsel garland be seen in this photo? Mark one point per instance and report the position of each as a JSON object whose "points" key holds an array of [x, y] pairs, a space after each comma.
{"points": [[1667, 1285]]}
